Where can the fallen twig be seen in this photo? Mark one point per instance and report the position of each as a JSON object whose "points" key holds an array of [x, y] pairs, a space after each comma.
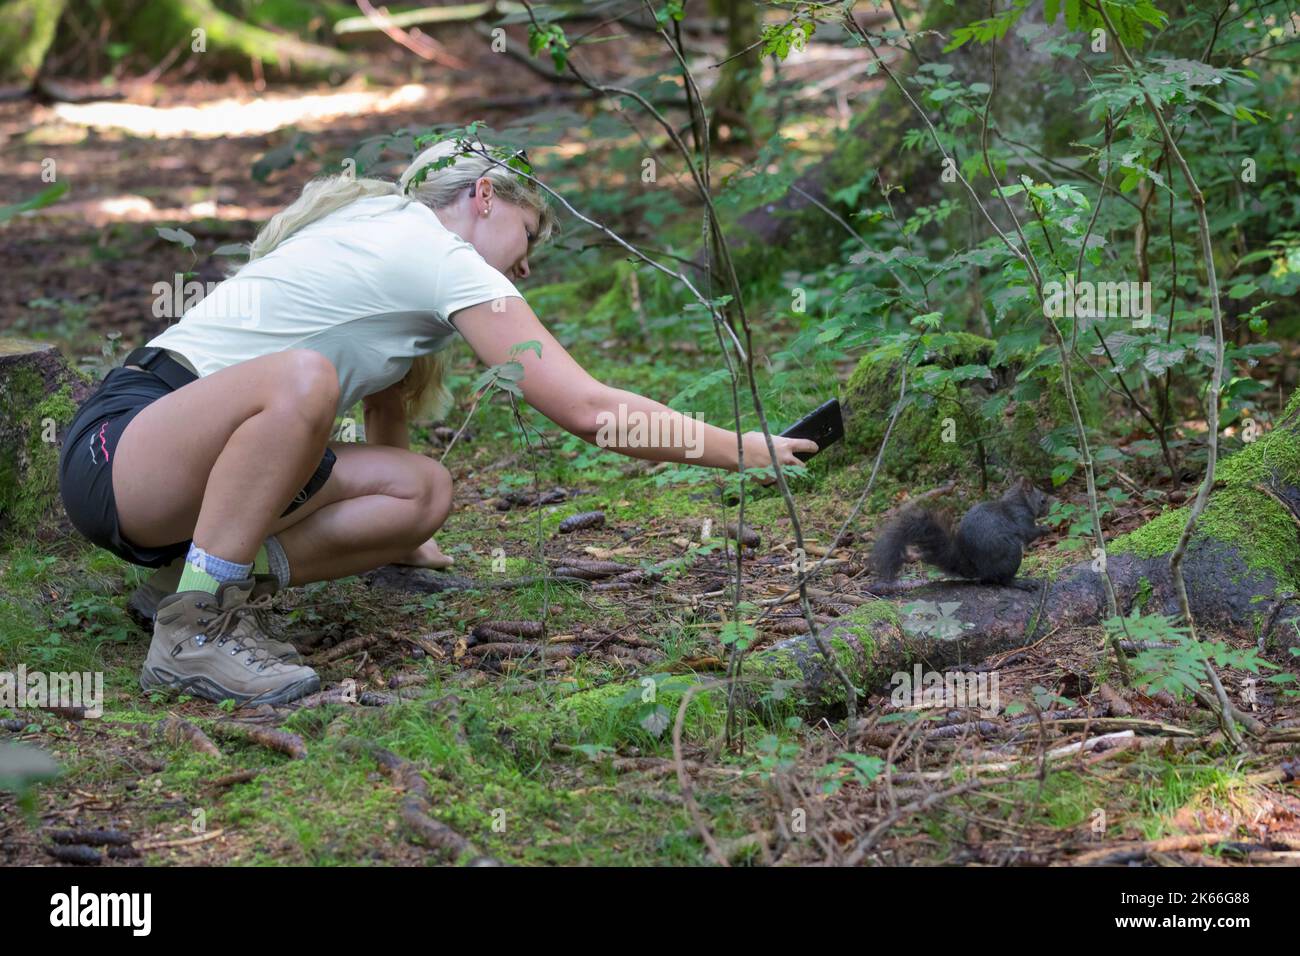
{"points": [[352, 645], [281, 740], [177, 732]]}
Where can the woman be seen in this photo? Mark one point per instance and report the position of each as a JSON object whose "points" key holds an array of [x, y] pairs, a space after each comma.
{"points": [[208, 452]]}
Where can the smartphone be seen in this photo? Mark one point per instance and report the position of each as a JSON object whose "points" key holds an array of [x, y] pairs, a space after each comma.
{"points": [[824, 425]]}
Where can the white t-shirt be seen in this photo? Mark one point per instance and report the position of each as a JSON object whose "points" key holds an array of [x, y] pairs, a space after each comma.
{"points": [[370, 286]]}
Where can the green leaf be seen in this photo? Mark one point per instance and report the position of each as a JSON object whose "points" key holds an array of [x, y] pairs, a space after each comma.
{"points": [[700, 384], [179, 236], [594, 751], [656, 720], [510, 371], [531, 345], [43, 198], [737, 633], [282, 157]]}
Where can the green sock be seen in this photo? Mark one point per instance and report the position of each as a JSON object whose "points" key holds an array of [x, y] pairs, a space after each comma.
{"points": [[261, 563], [207, 572], [192, 579]]}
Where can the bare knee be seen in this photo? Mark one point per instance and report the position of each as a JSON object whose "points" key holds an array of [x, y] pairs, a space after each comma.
{"points": [[307, 387]]}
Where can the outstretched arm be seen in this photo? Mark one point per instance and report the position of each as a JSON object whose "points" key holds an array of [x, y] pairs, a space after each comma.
{"points": [[562, 390]]}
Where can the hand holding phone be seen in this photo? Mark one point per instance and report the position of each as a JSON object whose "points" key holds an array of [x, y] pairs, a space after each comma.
{"points": [[823, 425]]}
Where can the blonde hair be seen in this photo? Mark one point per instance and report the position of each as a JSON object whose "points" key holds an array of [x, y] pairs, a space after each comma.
{"points": [[424, 391]]}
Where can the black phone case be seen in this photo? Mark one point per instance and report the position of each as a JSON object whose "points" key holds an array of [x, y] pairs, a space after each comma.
{"points": [[824, 425]]}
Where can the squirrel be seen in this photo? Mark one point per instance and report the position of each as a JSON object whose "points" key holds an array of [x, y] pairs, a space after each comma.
{"points": [[987, 546]]}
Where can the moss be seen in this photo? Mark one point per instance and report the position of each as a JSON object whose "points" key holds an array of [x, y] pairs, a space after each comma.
{"points": [[864, 615], [917, 446], [1043, 405], [1143, 595], [58, 406], [612, 712], [29, 484], [868, 414], [1269, 459], [153, 28], [1263, 532], [799, 659], [27, 28], [1239, 514], [603, 293], [645, 502], [1155, 538]]}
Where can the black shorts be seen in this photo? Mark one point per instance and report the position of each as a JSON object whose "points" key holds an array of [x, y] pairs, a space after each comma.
{"points": [[86, 465]]}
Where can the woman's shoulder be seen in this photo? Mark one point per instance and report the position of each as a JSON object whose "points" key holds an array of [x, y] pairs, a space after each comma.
{"points": [[396, 219]]}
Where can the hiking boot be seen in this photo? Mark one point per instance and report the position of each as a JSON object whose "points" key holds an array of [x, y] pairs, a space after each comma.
{"points": [[143, 606], [210, 646]]}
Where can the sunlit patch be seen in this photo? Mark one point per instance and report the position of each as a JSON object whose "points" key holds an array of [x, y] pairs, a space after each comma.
{"points": [[129, 207], [233, 117]]}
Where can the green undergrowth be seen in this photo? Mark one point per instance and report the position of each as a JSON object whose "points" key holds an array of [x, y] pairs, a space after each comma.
{"points": [[1088, 810]]}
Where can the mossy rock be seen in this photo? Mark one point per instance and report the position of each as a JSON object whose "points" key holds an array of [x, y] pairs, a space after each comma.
{"points": [[39, 394], [1245, 512], [981, 420]]}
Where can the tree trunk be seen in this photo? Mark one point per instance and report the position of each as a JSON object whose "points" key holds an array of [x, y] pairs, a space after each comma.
{"points": [[796, 230], [739, 78], [39, 394], [27, 29], [157, 28]]}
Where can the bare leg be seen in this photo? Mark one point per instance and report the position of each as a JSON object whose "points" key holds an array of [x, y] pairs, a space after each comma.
{"points": [[378, 506], [219, 459]]}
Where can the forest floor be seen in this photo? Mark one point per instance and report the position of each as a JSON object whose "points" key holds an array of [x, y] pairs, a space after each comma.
{"points": [[542, 749]]}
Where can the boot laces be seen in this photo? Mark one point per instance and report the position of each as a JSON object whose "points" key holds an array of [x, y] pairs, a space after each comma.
{"points": [[262, 611], [228, 625]]}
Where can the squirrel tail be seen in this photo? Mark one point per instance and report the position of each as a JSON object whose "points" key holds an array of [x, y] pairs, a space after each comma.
{"points": [[919, 527]]}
